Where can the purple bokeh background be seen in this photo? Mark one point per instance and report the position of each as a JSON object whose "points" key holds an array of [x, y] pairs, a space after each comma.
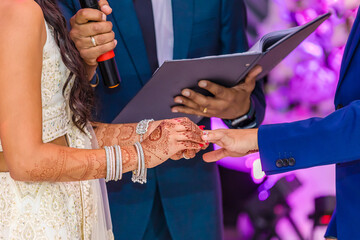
{"points": [[302, 86]]}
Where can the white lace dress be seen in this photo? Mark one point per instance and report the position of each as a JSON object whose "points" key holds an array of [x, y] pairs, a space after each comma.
{"points": [[74, 210]]}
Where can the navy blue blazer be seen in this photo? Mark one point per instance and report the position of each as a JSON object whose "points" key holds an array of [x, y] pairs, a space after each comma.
{"points": [[189, 189], [334, 139]]}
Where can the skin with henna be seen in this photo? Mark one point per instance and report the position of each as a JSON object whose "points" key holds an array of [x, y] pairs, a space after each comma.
{"points": [[26, 156]]}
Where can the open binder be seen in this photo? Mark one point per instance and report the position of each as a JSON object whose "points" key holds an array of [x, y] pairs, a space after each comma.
{"points": [[155, 99]]}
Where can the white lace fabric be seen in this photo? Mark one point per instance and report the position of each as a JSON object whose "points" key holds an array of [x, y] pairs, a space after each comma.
{"points": [[44, 211]]}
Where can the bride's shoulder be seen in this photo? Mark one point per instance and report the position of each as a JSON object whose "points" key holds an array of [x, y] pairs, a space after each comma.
{"points": [[20, 13], [21, 18]]}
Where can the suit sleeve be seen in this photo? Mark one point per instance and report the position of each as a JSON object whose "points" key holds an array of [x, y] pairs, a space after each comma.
{"points": [[233, 39], [331, 231], [312, 142]]}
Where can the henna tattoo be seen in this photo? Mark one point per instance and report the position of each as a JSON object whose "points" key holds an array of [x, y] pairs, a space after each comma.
{"points": [[70, 165], [116, 134], [156, 134], [48, 169]]}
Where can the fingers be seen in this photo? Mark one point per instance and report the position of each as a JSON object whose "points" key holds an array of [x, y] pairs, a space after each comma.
{"points": [[193, 103], [189, 153], [87, 14], [254, 72], [187, 102], [214, 156], [189, 145], [250, 79], [177, 156], [217, 90], [101, 39], [214, 136], [104, 6], [182, 124], [90, 29], [91, 54]]}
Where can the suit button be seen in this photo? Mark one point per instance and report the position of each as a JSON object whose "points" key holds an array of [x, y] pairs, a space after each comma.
{"points": [[279, 163], [285, 162], [292, 161], [339, 106]]}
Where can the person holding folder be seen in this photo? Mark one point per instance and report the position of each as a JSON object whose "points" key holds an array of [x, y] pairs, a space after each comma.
{"points": [[180, 200], [334, 139]]}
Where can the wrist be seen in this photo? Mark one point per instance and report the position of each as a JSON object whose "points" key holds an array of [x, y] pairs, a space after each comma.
{"points": [[90, 71], [245, 121]]}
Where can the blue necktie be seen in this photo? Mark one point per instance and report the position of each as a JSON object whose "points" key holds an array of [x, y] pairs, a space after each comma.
{"points": [[144, 12]]}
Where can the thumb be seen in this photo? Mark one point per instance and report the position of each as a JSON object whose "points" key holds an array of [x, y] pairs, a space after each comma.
{"points": [[214, 156], [105, 7]]}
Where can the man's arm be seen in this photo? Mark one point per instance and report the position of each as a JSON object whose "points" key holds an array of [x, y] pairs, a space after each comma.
{"points": [[312, 142], [233, 38], [228, 103]]}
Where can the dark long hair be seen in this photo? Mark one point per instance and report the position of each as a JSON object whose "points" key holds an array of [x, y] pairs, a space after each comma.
{"points": [[81, 94]]}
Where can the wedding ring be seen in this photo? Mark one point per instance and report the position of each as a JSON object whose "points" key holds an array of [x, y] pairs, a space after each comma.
{"points": [[93, 41], [205, 110], [185, 156]]}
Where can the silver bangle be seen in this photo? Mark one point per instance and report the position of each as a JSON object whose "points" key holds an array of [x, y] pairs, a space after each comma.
{"points": [[140, 174], [143, 173], [142, 127], [107, 164], [118, 175], [112, 159], [136, 173]]}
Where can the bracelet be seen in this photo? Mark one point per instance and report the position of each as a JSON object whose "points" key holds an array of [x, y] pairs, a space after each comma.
{"points": [[143, 173], [142, 127], [113, 163], [107, 164], [140, 174], [136, 173], [118, 175]]}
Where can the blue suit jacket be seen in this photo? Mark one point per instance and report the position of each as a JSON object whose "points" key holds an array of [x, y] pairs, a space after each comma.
{"points": [[189, 189], [329, 140]]}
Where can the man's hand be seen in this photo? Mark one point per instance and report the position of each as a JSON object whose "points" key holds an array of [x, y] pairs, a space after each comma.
{"points": [[233, 143], [91, 23], [227, 103]]}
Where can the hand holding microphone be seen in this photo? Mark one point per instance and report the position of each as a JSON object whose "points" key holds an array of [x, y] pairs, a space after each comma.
{"points": [[94, 38]]}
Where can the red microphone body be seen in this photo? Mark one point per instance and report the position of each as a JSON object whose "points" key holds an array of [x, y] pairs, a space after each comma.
{"points": [[107, 64]]}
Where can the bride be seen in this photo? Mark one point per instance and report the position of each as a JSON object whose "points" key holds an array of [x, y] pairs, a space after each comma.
{"points": [[49, 161]]}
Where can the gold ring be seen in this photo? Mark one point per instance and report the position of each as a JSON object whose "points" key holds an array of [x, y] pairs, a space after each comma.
{"points": [[205, 110], [93, 41]]}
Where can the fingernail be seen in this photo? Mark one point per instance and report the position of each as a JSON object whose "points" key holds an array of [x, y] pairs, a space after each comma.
{"points": [[116, 42], [104, 16], [201, 145], [202, 84], [186, 93], [178, 100], [207, 143], [202, 127], [107, 8], [174, 110]]}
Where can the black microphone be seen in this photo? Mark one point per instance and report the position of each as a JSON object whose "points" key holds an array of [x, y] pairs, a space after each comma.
{"points": [[107, 64]]}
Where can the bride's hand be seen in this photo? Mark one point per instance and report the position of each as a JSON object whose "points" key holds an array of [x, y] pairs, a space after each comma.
{"points": [[167, 138], [233, 143]]}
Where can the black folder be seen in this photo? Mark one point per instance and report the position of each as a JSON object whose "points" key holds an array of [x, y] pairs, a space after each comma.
{"points": [[155, 99]]}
